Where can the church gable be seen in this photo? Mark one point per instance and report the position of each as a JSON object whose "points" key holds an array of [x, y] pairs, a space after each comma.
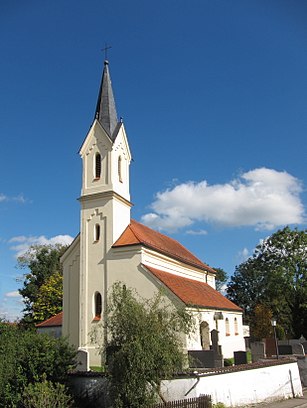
{"points": [[95, 153]]}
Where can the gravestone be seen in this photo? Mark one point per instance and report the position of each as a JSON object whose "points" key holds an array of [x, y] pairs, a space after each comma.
{"points": [[304, 344], [218, 358], [83, 361], [215, 341], [240, 357], [298, 349], [257, 350], [284, 349], [201, 358]]}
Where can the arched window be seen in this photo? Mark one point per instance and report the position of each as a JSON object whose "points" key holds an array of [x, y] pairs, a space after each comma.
{"points": [[119, 169], [97, 232], [227, 328], [97, 166], [98, 305], [236, 327]]}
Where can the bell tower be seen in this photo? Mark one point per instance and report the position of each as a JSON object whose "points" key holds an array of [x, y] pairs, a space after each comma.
{"points": [[105, 205]]}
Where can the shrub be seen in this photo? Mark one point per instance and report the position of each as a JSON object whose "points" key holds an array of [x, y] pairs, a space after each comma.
{"points": [[28, 357], [45, 394], [145, 345]]}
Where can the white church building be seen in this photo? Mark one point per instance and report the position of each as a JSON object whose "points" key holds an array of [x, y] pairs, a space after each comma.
{"points": [[113, 247]]}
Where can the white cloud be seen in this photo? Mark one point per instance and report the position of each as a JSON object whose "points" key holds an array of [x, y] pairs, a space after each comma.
{"points": [[197, 232], [243, 255], [23, 243], [13, 294], [261, 198], [19, 199]]}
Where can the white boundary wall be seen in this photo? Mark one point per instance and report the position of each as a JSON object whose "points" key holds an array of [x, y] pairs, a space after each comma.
{"points": [[250, 386]]}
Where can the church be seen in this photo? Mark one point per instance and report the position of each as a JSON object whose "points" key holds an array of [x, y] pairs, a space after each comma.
{"points": [[113, 247]]}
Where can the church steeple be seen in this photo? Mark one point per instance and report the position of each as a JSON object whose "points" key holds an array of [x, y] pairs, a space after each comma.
{"points": [[105, 109]]}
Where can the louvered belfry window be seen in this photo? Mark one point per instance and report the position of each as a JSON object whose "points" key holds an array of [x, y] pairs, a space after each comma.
{"points": [[97, 166]]}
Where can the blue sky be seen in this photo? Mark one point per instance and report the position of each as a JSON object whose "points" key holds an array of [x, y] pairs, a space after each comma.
{"points": [[213, 96]]}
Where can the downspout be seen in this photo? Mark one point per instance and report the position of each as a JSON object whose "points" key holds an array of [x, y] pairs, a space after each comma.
{"points": [[193, 386]]}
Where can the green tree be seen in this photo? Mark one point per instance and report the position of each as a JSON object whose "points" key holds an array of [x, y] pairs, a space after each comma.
{"points": [[220, 278], [145, 345], [276, 276], [42, 262], [49, 298], [261, 323], [27, 357]]}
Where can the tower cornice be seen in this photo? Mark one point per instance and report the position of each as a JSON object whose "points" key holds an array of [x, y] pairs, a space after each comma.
{"points": [[107, 195]]}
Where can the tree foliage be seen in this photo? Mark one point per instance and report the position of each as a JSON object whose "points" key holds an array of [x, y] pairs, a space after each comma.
{"points": [[42, 288], [145, 345], [49, 298], [220, 278], [46, 394], [276, 277], [27, 357], [261, 324]]}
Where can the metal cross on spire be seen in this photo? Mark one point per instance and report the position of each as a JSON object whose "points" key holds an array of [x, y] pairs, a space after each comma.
{"points": [[105, 49]]}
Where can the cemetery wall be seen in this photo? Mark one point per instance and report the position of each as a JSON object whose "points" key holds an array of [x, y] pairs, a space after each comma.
{"points": [[241, 385]]}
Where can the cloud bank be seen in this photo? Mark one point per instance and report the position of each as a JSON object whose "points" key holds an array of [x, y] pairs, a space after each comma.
{"points": [[261, 198], [22, 243]]}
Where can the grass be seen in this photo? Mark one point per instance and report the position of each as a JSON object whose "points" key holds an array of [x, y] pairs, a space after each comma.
{"points": [[97, 369]]}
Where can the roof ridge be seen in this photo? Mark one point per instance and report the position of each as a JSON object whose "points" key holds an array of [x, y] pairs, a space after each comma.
{"points": [[133, 231], [182, 257], [48, 320]]}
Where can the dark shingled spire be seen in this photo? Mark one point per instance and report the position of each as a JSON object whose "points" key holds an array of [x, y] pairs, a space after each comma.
{"points": [[105, 109]]}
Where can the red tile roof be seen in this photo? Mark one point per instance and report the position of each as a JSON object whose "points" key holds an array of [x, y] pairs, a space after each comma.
{"points": [[52, 321], [137, 233], [192, 292]]}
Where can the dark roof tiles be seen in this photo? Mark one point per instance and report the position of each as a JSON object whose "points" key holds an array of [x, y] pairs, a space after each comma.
{"points": [[105, 109]]}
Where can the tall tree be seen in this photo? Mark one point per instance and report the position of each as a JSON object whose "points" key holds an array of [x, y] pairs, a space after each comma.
{"points": [[145, 343], [276, 276], [220, 279], [43, 270], [49, 298]]}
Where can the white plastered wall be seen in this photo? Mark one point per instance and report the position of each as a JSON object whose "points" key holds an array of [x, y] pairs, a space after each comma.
{"points": [[230, 342]]}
